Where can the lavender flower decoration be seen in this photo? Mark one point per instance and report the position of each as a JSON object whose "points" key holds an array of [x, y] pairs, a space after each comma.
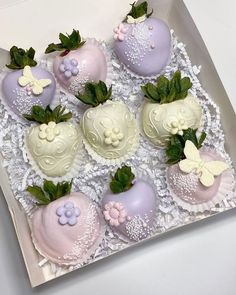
{"points": [[69, 67], [68, 214]]}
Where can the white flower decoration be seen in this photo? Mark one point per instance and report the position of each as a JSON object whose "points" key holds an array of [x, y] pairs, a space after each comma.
{"points": [[49, 132], [113, 137]]}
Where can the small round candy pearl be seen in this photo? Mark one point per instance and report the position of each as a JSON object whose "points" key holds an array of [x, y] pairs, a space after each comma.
{"points": [[75, 71], [72, 221], [150, 28], [62, 68], [66, 61], [116, 130], [68, 74], [107, 133], [115, 143], [68, 213], [108, 141], [69, 205], [74, 62], [152, 46], [68, 67]]}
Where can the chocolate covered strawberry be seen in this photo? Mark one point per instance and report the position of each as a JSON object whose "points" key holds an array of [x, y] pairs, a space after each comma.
{"points": [[142, 43], [198, 178], [109, 129], [169, 109], [54, 143], [129, 206], [27, 84], [67, 228], [79, 61]]}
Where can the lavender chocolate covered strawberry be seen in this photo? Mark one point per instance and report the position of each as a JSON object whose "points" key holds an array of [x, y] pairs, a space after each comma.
{"points": [[129, 207], [79, 62], [199, 179], [27, 85], [143, 43], [67, 228]]}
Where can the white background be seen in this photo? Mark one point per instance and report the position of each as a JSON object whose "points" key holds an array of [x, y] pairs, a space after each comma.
{"points": [[199, 259]]}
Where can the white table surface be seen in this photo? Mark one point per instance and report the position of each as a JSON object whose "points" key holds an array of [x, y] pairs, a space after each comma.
{"points": [[198, 260]]}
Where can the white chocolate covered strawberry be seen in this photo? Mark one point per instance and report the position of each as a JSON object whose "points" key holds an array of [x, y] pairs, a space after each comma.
{"points": [[169, 109], [109, 128], [52, 145]]}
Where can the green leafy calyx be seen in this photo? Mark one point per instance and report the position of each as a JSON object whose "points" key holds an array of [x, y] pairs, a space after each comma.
{"points": [[175, 149], [122, 180], [68, 43], [95, 93], [41, 115], [138, 10], [167, 91], [21, 58], [50, 192]]}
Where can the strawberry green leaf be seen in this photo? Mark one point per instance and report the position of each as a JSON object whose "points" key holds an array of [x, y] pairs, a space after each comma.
{"points": [[50, 192], [41, 115], [39, 195], [138, 10], [95, 93], [175, 149], [21, 58], [122, 180], [68, 43], [167, 91]]}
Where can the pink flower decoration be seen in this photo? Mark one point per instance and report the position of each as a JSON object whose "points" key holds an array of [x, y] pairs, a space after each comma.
{"points": [[115, 213], [120, 32]]}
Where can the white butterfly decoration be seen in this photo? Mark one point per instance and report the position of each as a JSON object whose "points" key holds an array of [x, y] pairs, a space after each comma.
{"points": [[131, 20], [33, 84], [207, 170]]}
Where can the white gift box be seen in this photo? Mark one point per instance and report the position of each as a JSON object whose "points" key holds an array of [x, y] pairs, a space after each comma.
{"points": [[93, 20]]}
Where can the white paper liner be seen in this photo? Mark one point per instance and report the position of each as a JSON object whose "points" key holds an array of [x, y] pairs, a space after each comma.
{"points": [[49, 59], [225, 189], [74, 170], [86, 256], [13, 115], [112, 162]]}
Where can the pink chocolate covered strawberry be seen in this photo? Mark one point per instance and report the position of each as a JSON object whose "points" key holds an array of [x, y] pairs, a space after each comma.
{"points": [[199, 177], [79, 61], [67, 228]]}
